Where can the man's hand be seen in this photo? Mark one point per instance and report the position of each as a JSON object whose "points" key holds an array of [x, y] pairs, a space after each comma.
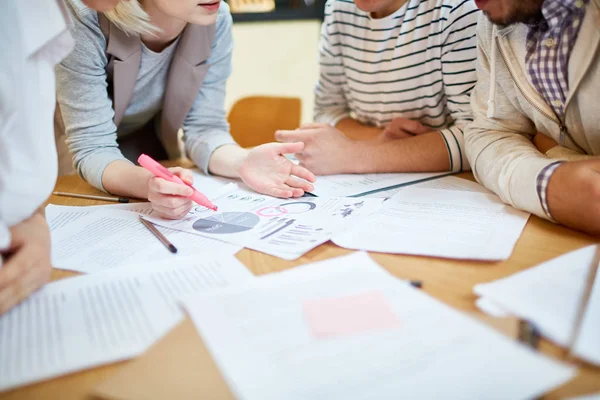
{"points": [[27, 262], [267, 171], [326, 150], [402, 128], [543, 142], [574, 195]]}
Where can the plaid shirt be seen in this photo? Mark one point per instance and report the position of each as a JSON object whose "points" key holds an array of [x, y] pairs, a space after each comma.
{"points": [[549, 46]]}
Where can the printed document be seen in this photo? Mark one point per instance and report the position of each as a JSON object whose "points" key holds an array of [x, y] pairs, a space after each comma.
{"points": [[111, 238], [439, 223], [90, 320], [285, 228], [358, 185], [549, 295], [273, 339]]}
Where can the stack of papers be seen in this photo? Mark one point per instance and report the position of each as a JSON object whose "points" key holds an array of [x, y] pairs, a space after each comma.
{"points": [[344, 328], [549, 296], [285, 228], [442, 223], [90, 320]]}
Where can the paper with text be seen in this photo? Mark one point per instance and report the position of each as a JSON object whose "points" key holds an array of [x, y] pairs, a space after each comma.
{"points": [[258, 336], [59, 216], [358, 185], [107, 239], [549, 295], [90, 320], [285, 228], [440, 223]]}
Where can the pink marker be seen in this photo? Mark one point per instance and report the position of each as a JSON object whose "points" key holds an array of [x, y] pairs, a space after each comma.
{"points": [[161, 172]]}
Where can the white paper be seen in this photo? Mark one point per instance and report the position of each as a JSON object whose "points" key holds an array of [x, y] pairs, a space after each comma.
{"points": [[87, 321], [285, 228], [358, 185], [593, 396], [440, 223], [210, 186], [111, 238], [549, 296], [445, 183], [59, 216], [489, 307], [258, 335]]}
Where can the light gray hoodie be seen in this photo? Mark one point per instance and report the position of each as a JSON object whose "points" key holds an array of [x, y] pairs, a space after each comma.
{"points": [[508, 111]]}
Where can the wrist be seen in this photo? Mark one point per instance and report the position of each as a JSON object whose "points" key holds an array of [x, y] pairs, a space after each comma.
{"points": [[358, 156]]}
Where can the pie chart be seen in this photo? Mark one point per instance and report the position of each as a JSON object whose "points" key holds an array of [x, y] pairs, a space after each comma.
{"points": [[227, 222]]}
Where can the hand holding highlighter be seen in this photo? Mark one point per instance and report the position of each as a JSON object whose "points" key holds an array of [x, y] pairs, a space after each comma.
{"points": [[161, 172]]}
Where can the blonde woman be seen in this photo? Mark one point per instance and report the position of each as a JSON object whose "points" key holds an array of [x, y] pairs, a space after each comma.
{"points": [[140, 73]]}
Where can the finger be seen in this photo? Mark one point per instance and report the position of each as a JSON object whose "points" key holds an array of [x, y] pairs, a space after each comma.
{"points": [[288, 148], [24, 286], [415, 127], [397, 134], [185, 174], [297, 183], [302, 172], [290, 136], [296, 192], [15, 267], [173, 212], [283, 191], [313, 125], [168, 201], [163, 186]]}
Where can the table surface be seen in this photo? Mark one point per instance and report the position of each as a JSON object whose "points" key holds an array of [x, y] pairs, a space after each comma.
{"points": [[450, 281]]}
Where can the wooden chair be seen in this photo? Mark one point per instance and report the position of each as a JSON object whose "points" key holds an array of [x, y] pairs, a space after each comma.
{"points": [[255, 119]]}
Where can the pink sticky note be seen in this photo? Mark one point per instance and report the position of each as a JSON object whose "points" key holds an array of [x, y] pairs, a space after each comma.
{"points": [[348, 315]]}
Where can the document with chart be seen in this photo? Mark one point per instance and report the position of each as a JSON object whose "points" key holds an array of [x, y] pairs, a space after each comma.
{"points": [[285, 228]]}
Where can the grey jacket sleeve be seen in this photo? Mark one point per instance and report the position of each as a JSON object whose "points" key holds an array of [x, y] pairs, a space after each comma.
{"points": [[205, 127], [82, 96]]}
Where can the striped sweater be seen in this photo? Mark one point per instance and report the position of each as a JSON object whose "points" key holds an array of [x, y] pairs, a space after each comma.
{"points": [[417, 63]]}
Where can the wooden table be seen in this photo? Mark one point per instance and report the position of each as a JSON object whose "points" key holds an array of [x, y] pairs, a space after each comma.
{"points": [[448, 280]]}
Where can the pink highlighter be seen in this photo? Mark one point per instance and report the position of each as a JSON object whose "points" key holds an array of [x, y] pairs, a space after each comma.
{"points": [[161, 172]]}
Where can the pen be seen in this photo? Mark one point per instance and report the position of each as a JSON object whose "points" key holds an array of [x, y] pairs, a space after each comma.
{"points": [[92, 197], [585, 299], [158, 235], [159, 171]]}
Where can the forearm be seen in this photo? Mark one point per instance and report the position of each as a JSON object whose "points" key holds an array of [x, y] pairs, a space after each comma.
{"points": [[125, 179], [356, 130], [422, 153], [227, 160]]}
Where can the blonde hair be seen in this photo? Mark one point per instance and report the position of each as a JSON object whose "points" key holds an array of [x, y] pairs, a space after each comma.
{"points": [[130, 17]]}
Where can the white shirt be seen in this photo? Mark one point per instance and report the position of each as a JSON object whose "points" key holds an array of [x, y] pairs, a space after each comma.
{"points": [[35, 38]]}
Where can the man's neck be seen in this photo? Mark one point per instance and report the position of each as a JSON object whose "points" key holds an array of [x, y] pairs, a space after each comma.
{"points": [[389, 9]]}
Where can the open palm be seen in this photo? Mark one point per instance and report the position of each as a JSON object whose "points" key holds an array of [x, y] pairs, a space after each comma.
{"points": [[267, 171]]}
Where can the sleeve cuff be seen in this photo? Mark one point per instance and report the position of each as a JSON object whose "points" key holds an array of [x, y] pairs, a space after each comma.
{"points": [[93, 168], [201, 150], [542, 185], [455, 143]]}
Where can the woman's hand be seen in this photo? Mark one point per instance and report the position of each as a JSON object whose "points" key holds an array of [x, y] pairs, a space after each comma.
{"points": [[170, 199], [267, 171]]}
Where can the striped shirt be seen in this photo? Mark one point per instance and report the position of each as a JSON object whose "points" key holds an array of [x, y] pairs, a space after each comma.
{"points": [[417, 63]]}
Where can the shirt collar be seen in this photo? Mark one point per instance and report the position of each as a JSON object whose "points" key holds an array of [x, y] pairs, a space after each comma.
{"points": [[554, 12]]}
